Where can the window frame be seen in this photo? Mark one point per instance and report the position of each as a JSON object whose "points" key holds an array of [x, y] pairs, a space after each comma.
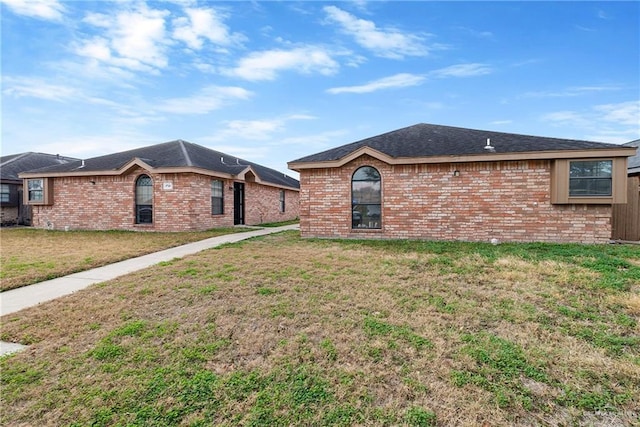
{"points": [[561, 182], [140, 207], [219, 198], [590, 180], [46, 192], [358, 217]]}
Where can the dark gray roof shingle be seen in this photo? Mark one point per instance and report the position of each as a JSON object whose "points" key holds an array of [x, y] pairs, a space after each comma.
{"points": [[12, 165], [175, 154], [427, 140]]}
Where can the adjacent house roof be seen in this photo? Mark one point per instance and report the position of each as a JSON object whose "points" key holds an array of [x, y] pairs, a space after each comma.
{"points": [[174, 156], [427, 143], [633, 165], [12, 165]]}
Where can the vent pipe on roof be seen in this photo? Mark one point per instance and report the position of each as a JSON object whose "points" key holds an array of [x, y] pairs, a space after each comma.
{"points": [[222, 160], [489, 147], [82, 165]]}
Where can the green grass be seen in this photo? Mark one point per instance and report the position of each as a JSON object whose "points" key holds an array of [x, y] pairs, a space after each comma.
{"points": [[282, 331], [32, 255]]}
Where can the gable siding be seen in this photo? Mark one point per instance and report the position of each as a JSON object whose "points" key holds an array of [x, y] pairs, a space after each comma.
{"points": [[508, 201], [109, 203]]}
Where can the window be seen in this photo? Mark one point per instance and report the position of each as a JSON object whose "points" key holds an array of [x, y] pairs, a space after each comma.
{"points": [[5, 194], [144, 200], [217, 197], [600, 181], [35, 190], [281, 200], [365, 199], [590, 178]]}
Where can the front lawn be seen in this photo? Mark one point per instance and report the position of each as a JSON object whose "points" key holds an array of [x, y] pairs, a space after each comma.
{"points": [[282, 331], [31, 255]]}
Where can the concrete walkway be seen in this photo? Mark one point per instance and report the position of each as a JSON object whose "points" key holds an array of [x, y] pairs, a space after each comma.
{"points": [[28, 296]]}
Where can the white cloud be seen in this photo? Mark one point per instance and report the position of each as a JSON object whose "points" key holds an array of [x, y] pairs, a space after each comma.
{"points": [[208, 99], [202, 24], [27, 87], [134, 39], [396, 81], [41, 9], [616, 123], [265, 65], [256, 130], [625, 113], [569, 92], [462, 70], [386, 43]]}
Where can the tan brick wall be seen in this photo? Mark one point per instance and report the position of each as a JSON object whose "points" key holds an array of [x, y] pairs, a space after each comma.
{"points": [[508, 201], [109, 204]]}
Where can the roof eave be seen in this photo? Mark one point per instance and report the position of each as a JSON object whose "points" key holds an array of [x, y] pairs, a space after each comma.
{"points": [[484, 157]]}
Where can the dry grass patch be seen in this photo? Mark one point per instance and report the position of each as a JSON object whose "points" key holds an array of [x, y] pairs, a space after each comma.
{"points": [[32, 255], [283, 331]]}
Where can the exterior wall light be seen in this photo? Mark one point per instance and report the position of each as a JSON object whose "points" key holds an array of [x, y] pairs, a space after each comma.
{"points": [[456, 172]]}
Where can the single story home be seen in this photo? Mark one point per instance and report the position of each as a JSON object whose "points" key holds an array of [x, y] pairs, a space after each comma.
{"points": [[174, 186], [626, 218], [12, 210], [448, 183]]}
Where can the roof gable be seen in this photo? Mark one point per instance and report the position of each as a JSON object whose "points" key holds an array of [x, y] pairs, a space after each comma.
{"points": [[176, 155], [423, 141]]}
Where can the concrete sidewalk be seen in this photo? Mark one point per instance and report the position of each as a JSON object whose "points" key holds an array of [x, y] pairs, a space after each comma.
{"points": [[28, 296]]}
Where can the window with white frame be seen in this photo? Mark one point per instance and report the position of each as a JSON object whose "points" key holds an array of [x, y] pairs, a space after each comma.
{"points": [[35, 190]]}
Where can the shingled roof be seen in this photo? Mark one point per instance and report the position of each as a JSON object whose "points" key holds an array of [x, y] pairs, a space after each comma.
{"points": [[633, 165], [427, 140], [170, 155], [13, 164]]}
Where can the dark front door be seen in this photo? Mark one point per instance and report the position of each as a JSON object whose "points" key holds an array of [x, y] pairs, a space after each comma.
{"points": [[238, 203]]}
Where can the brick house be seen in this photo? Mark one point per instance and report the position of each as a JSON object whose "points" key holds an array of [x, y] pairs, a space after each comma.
{"points": [[175, 186], [447, 183], [12, 210]]}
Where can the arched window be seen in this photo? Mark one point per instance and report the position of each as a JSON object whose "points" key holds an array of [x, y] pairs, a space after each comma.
{"points": [[366, 198], [144, 200]]}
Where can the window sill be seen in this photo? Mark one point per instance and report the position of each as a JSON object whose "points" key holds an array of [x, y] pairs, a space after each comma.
{"points": [[594, 200]]}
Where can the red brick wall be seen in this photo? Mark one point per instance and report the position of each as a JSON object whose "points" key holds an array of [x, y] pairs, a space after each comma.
{"points": [[109, 204], [262, 204], [508, 201]]}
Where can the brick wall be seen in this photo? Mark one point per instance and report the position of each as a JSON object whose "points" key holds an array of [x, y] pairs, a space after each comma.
{"points": [[181, 202], [262, 204], [508, 201]]}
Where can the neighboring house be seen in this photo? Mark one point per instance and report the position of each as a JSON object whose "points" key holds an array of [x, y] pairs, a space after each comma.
{"points": [[447, 183], [626, 217], [12, 211], [175, 186]]}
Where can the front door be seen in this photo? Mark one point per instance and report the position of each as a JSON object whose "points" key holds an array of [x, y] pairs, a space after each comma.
{"points": [[238, 203]]}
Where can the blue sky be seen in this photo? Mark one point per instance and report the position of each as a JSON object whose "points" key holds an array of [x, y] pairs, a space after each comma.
{"points": [[271, 82]]}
